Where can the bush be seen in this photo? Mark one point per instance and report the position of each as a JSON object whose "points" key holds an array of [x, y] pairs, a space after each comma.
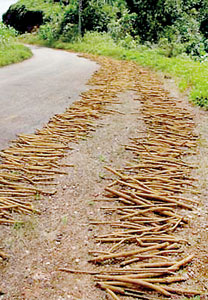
{"points": [[70, 33], [48, 32], [23, 19], [170, 49], [10, 52], [96, 16], [7, 34], [122, 27]]}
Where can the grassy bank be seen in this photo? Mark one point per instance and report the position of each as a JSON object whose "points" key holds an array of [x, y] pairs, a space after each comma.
{"points": [[13, 54], [10, 50], [191, 76]]}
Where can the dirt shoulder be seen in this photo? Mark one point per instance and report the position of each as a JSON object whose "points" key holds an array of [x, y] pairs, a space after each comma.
{"points": [[62, 235], [197, 232]]}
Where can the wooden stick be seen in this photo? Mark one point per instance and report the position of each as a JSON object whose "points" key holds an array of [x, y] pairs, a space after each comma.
{"points": [[140, 282], [113, 295], [128, 253], [182, 262], [182, 291], [166, 280], [78, 271]]}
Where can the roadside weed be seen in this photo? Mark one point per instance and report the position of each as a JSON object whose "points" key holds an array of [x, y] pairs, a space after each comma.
{"points": [[10, 51]]}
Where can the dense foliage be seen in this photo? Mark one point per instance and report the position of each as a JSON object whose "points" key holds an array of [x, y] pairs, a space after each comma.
{"points": [[178, 21], [176, 25]]}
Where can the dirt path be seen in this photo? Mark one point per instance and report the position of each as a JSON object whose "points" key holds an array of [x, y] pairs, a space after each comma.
{"points": [[62, 236]]}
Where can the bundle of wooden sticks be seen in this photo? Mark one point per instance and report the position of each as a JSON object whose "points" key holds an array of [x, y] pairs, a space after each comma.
{"points": [[149, 189]]}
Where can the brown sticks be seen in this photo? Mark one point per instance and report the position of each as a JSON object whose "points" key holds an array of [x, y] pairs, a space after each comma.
{"points": [[150, 197]]}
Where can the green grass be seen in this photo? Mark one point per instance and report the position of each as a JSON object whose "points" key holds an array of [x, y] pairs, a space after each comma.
{"points": [[13, 54], [191, 76], [10, 50]]}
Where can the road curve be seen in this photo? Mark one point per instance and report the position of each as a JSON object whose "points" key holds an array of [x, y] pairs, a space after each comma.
{"points": [[34, 90]]}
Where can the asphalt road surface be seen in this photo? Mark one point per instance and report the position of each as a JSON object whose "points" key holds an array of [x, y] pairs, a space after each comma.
{"points": [[36, 89]]}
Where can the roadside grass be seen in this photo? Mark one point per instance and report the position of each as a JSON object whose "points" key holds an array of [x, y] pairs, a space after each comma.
{"points": [[191, 76], [13, 53], [10, 50]]}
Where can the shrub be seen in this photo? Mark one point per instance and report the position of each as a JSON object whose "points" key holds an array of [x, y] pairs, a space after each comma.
{"points": [[122, 27], [69, 33], [170, 49], [48, 32], [10, 52], [23, 19], [7, 35]]}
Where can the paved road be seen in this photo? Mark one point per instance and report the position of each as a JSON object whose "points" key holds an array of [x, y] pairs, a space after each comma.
{"points": [[34, 90]]}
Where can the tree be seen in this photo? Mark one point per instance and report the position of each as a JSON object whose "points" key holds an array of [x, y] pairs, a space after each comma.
{"points": [[153, 17]]}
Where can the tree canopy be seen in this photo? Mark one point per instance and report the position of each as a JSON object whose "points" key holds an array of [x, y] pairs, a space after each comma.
{"points": [[182, 22]]}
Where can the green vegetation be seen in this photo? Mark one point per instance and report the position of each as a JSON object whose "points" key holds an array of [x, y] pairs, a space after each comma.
{"points": [[190, 75], [181, 25], [10, 51], [168, 35]]}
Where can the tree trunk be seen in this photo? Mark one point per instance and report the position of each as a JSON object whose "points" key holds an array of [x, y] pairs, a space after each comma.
{"points": [[80, 17]]}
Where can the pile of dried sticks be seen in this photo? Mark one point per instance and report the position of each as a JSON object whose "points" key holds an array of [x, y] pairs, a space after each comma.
{"points": [[149, 190], [144, 244], [29, 167]]}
